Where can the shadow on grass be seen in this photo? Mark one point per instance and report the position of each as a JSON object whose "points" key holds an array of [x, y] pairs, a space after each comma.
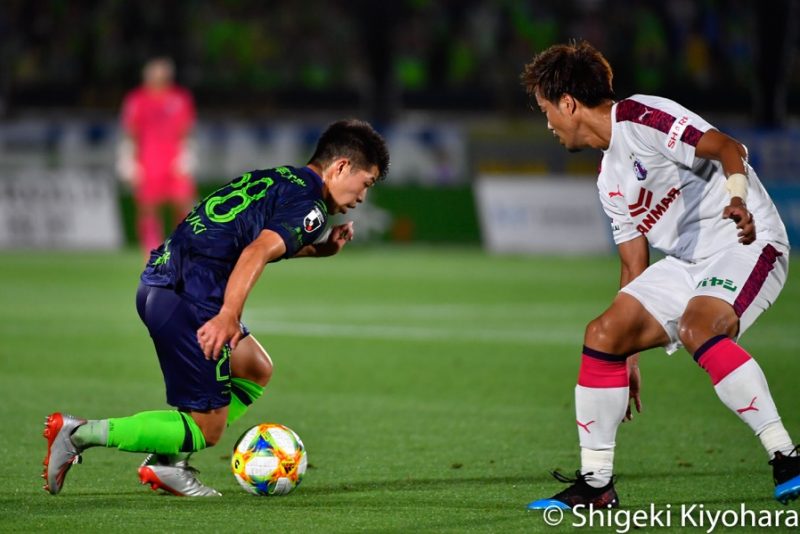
{"points": [[723, 471], [417, 484]]}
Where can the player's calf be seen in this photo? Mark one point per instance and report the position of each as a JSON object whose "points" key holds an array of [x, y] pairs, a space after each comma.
{"points": [[211, 423]]}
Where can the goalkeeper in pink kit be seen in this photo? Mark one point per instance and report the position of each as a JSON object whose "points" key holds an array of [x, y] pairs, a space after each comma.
{"points": [[155, 156]]}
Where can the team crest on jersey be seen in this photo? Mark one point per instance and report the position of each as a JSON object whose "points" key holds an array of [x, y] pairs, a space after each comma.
{"points": [[313, 220], [639, 170]]}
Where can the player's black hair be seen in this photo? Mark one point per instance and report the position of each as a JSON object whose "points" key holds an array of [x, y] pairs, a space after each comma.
{"points": [[356, 140], [577, 69]]}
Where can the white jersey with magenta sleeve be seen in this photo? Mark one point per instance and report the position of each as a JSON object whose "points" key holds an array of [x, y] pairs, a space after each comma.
{"points": [[652, 184]]}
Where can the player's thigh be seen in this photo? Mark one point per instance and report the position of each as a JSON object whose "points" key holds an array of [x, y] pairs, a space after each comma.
{"points": [[746, 278], [662, 292], [251, 361], [192, 382], [624, 328]]}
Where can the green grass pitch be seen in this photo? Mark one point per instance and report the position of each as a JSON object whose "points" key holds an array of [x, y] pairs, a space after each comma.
{"points": [[433, 390]]}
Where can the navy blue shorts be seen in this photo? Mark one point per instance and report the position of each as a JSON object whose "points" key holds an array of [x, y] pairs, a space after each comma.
{"points": [[193, 383]]}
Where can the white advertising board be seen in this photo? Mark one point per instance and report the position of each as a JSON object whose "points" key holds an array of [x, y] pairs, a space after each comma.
{"points": [[541, 214], [66, 209]]}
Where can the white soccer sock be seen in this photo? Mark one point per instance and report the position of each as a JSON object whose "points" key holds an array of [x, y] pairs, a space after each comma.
{"points": [[94, 433], [746, 393], [599, 412], [600, 464], [774, 438]]}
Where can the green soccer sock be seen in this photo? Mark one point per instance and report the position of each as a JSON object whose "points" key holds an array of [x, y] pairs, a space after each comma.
{"points": [[162, 432], [245, 392]]}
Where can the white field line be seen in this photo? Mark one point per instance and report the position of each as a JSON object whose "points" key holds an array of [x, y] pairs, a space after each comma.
{"points": [[521, 322], [527, 323], [440, 312], [567, 335]]}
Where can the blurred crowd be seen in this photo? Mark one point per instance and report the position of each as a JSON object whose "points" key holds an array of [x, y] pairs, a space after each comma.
{"points": [[443, 54]]}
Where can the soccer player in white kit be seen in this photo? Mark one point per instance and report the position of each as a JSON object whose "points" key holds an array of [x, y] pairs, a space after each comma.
{"points": [[669, 180]]}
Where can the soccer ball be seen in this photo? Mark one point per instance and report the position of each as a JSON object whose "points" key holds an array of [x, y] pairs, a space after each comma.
{"points": [[269, 459]]}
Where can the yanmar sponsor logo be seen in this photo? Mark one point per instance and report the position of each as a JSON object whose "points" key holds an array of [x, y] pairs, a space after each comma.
{"points": [[676, 132], [644, 204]]}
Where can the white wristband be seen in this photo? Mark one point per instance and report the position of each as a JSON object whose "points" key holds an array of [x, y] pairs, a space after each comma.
{"points": [[736, 184]]}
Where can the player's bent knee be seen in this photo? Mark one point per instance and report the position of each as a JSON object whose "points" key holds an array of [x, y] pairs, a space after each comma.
{"points": [[692, 335], [704, 318], [601, 335], [259, 369], [266, 371], [251, 362], [695, 329], [687, 335]]}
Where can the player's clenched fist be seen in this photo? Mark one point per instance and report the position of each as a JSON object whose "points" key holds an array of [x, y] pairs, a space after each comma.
{"points": [[338, 238]]}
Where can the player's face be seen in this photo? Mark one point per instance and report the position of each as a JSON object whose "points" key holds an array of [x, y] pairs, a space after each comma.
{"points": [[348, 186], [158, 73], [560, 120]]}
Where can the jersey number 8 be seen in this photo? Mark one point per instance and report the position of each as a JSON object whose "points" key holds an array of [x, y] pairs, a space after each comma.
{"points": [[242, 189]]}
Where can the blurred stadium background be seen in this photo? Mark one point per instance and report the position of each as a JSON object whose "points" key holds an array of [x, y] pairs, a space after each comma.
{"points": [[432, 383], [439, 78]]}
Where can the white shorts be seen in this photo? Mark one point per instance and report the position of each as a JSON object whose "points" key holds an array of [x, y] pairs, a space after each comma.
{"points": [[748, 277]]}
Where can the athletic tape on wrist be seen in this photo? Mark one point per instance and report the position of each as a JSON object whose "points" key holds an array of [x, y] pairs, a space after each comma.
{"points": [[736, 184]]}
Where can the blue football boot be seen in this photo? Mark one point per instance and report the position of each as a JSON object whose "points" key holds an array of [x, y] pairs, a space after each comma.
{"points": [[786, 473], [580, 492]]}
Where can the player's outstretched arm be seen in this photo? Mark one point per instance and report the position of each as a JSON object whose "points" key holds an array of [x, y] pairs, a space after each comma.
{"points": [[337, 239], [224, 327], [733, 156]]}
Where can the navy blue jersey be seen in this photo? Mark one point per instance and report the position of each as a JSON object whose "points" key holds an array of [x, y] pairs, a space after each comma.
{"points": [[197, 259]]}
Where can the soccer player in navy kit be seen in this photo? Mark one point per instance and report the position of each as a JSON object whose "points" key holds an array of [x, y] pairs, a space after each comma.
{"points": [[191, 298]]}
